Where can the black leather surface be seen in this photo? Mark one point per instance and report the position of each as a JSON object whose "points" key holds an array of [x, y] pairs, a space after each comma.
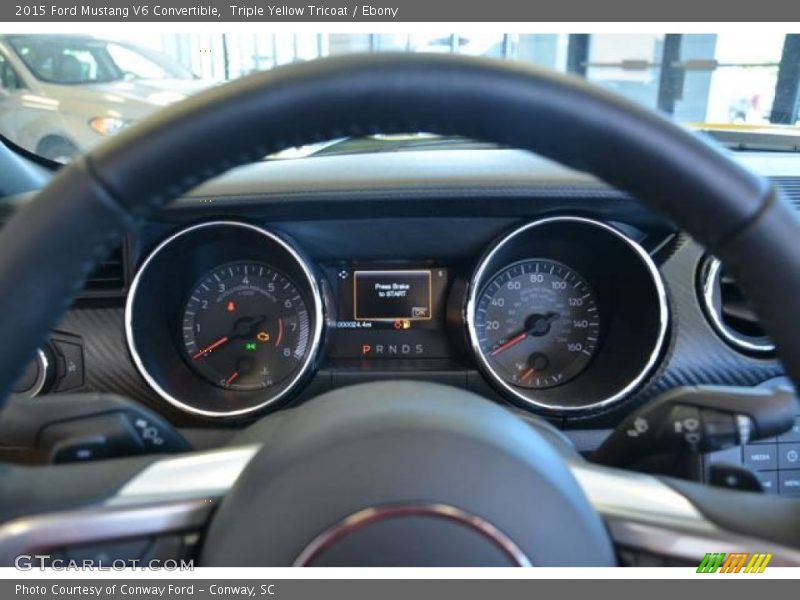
{"points": [[48, 249]]}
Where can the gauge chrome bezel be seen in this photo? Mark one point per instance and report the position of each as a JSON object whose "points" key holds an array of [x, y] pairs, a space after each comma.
{"points": [[317, 310], [481, 276], [711, 268]]}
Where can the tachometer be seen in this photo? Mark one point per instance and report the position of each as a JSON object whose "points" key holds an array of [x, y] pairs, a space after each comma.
{"points": [[245, 326], [537, 324]]}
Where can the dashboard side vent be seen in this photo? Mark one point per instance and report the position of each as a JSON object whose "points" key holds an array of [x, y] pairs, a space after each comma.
{"points": [[108, 279], [790, 186], [729, 311]]}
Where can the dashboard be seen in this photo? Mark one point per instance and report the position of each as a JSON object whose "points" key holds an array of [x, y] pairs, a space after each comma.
{"points": [[490, 270]]}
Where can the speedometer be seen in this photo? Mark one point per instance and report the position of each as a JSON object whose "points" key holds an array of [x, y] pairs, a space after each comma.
{"points": [[537, 324]]}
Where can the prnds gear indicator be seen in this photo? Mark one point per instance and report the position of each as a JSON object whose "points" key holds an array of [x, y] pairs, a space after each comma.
{"points": [[392, 295]]}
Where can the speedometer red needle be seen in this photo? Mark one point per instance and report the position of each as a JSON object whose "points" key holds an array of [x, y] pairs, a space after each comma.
{"points": [[512, 342], [210, 348]]}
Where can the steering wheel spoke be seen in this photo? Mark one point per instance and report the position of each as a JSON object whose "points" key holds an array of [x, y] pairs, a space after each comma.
{"points": [[159, 512], [167, 506]]}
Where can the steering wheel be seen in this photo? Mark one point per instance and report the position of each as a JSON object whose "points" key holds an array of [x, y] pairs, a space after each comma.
{"points": [[390, 473]]}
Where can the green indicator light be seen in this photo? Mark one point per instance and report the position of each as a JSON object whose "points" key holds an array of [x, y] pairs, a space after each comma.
{"points": [[250, 346]]}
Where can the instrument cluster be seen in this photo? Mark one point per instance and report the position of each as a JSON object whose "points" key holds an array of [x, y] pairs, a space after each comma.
{"points": [[226, 319]]}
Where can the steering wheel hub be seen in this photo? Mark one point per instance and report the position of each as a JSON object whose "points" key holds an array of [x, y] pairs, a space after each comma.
{"points": [[404, 473], [420, 534]]}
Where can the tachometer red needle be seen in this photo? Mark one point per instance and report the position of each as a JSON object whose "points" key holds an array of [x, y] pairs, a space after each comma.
{"points": [[512, 342], [527, 374], [210, 348], [232, 378]]}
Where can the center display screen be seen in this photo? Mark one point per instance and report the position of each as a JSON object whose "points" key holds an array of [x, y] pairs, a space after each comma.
{"points": [[389, 313], [392, 295]]}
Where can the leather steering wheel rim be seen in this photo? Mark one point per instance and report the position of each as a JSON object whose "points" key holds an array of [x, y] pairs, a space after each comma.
{"points": [[52, 244]]}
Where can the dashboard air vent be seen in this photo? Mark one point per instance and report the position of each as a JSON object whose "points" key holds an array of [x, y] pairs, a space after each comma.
{"points": [[729, 311], [108, 279], [790, 186]]}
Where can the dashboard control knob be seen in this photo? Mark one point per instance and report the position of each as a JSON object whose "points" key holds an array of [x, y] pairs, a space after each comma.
{"points": [[38, 375]]}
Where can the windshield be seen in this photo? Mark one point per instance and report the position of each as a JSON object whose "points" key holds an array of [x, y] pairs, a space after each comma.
{"points": [[61, 95]]}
